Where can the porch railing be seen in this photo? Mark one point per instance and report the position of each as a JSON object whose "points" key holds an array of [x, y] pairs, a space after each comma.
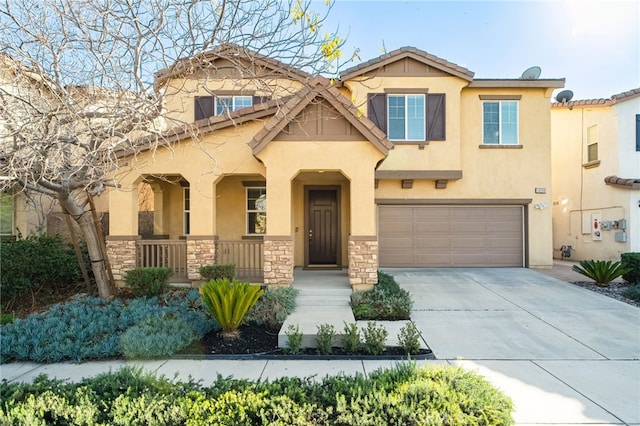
{"points": [[164, 254], [247, 255]]}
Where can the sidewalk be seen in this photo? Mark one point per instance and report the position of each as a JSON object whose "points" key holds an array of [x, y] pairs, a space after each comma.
{"points": [[565, 355]]}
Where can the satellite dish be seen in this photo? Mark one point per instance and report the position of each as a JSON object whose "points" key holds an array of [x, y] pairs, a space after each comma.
{"points": [[564, 96], [532, 73]]}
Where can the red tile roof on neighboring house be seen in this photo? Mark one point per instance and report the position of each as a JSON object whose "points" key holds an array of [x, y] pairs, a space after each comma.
{"points": [[417, 54], [633, 183], [599, 101]]}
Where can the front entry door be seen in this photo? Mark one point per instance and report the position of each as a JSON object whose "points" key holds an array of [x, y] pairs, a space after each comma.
{"points": [[322, 227]]}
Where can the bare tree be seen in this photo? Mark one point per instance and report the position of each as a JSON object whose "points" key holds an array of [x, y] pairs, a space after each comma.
{"points": [[77, 82]]}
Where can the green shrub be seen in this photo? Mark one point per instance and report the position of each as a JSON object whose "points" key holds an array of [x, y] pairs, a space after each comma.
{"points": [[6, 318], [34, 261], [91, 327], [404, 395], [375, 338], [324, 338], [385, 301], [601, 271], [218, 271], [273, 307], [409, 338], [632, 292], [148, 282], [229, 302], [351, 339], [294, 340], [631, 261]]}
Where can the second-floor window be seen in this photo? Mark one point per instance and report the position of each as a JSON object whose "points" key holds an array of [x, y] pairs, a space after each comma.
{"points": [[208, 106], [592, 143], [410, 118], [500, 122], [406, 117]]}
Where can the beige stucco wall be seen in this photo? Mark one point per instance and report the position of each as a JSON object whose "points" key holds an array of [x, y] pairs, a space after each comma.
{"points": [[578, 191]]}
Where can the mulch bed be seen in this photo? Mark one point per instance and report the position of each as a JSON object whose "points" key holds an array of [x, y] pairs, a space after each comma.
{"points": [[614, 290], [261, 342]]}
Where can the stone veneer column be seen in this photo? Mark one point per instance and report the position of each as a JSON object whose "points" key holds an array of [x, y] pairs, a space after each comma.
{"points": [[363, 262], [278, 260], [201, 250], [121, 251]]}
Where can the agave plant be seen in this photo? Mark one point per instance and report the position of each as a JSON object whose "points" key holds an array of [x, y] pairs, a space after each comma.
{"points": [[229, 301], [601, 271]]}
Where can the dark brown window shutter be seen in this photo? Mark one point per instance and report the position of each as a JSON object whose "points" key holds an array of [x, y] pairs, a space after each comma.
{"points": [[204, 107], [436, 124], [261, 99], [377, 110]]}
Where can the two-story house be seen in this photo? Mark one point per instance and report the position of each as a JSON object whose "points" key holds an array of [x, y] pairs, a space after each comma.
{"points": [[596, 177], [405, 160]]}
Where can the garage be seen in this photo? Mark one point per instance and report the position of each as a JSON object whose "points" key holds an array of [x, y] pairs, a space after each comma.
{"points": [[446, 236]]}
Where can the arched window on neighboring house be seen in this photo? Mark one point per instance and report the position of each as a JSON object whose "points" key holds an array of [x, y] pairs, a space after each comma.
{"points": [[6, 215]]}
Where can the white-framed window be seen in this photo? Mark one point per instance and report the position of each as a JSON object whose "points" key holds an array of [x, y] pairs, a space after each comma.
{"points": [[592, 143], [186, 191], [500, 122], [256, 210], [406, 117], [6, 213], [232, 103]]}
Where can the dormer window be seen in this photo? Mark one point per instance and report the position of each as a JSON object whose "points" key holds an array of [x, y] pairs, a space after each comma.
{"points": [[232, 103]]}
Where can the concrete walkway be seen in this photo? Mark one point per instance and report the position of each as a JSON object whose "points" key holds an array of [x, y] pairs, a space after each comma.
{"points": [[565, 355]]}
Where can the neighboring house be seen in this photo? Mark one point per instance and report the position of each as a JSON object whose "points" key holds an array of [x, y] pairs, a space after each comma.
{"points": [[404, 161], [596, 177]]}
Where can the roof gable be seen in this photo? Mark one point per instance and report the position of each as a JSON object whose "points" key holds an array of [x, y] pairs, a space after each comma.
{"points": [[320, 102], [407, 61], [229, 61]]}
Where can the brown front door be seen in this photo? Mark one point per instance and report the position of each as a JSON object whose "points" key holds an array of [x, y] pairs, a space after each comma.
{"points": [[322, 227]]}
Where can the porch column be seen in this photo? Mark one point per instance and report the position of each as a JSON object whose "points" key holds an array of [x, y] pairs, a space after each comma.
{"points": [[363, 241], [123, 230], [201, 241], [278, 242]]}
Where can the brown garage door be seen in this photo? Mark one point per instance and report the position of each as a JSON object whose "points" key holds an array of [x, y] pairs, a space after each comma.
{"points": [[429, 236]]}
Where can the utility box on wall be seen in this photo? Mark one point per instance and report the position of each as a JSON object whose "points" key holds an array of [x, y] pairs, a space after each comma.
{"points": [[621, 237]]}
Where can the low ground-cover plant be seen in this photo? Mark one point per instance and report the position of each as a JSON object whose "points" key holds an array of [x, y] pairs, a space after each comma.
{"points": [[273, 307], [148, 282], [91, 327], [229, 302], [385, 301], [601, 271], [631, 261], [404, 395], [632, 292]]}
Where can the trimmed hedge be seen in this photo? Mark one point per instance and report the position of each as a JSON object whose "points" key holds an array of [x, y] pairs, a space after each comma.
{"points": [[404, 395], [33, 261], [148, 282], [632, 261], [218, 271]]}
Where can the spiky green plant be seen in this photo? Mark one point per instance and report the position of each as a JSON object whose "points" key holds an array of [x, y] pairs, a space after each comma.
{"points": [[229, 301], [601, 271]]}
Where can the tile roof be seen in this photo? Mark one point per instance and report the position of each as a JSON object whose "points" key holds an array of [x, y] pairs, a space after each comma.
{"points": [[402, 52], [600, 101], [633, 183]]}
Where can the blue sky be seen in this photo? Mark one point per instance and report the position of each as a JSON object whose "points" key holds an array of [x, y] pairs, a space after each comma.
{"points": [[594, 45]]}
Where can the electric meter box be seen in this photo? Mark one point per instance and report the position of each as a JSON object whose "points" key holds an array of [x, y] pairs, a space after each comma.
{"points": [[621, 237]]}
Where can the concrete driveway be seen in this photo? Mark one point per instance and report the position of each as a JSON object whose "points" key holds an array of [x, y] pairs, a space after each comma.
{"points": [[565, 355]]}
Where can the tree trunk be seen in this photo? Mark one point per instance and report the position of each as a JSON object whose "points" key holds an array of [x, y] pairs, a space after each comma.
{"points": [[85, 221]]}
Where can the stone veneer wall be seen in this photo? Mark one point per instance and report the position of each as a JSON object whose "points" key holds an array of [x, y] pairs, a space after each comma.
{"points": [[200, 251], [122, 254], [363, 262], [278, 260]]}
